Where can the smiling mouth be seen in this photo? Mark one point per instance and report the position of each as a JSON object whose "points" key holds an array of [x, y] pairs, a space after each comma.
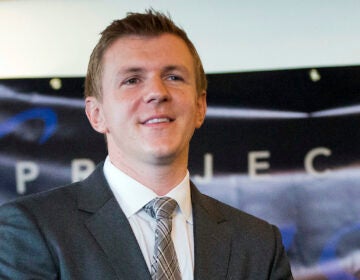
{"points": [[158, 120]]}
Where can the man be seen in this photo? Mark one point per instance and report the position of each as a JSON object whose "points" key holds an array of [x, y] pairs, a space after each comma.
{"points": [[146, 92]]}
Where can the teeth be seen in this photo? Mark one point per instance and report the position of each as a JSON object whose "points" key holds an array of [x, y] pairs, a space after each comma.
{"points": [[159, 120]]}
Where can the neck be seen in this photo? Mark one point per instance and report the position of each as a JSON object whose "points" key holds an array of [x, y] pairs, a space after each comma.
{"points": [[160, 178]]}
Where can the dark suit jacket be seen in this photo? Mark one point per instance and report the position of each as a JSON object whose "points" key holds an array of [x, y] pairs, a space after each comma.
{"points": [[80, 232]]}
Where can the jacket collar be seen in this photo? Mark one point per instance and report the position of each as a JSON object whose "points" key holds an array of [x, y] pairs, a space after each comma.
{"points": [[110, 227], [212, 238]]}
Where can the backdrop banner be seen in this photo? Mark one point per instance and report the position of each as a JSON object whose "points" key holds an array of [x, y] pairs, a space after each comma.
{"points": [[281, 145]]}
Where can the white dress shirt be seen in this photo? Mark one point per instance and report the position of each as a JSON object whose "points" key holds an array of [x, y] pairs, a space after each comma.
{"points": [[133, 196]]}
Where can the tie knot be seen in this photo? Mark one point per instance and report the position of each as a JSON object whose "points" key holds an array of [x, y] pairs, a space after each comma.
{"points": [[161, 207]]}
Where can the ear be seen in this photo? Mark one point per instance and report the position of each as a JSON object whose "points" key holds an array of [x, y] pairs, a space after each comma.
{"points": [[201, 109], [94, 113]]}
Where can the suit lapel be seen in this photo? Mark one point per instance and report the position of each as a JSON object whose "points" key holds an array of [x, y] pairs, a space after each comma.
{"points": [[212, 239], [111, 229]]}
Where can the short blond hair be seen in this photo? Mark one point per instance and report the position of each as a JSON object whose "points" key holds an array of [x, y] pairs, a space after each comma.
{"points": [[150, 23]]}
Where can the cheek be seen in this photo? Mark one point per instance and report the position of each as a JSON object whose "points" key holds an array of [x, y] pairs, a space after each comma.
{"points": [[110, 116], [193, 115], [118, 114]]}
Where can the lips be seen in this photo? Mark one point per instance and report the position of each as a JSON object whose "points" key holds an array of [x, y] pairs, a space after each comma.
{"points": [[158, 120]]}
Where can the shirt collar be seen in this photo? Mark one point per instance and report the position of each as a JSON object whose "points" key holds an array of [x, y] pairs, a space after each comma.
{"points": [[132, 196]]}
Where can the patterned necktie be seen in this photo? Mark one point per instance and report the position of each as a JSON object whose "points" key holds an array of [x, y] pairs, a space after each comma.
{"points": [[164, 265]]}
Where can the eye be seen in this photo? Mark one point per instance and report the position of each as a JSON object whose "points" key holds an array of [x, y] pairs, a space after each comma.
{"points": [[131, 81], [175, 78]]}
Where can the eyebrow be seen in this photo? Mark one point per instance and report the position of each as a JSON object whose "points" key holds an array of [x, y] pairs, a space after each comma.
{"points": [[129, 70], [139, 70], [177, 67]]}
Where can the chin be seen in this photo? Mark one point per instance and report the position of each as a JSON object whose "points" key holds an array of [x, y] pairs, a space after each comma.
{"points": [[165, 152], [162, 156]]}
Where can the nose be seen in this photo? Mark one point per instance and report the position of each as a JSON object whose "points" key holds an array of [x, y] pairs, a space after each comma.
{"points": [[156, 91]]}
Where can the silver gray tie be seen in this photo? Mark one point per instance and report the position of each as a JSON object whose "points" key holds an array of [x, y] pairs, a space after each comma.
{"points": [[164, 265]]}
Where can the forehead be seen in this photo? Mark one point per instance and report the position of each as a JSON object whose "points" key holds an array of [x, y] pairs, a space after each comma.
{"points": [[164, 48]]}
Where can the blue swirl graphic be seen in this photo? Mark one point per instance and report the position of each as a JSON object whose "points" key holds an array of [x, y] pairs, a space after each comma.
{"points": [[46, 114]]}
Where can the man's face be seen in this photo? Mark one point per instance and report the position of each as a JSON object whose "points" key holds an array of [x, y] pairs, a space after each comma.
{"points": [[150, 107]]}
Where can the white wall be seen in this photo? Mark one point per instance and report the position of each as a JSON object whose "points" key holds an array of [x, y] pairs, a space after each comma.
{"points": [[55, 38]]}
